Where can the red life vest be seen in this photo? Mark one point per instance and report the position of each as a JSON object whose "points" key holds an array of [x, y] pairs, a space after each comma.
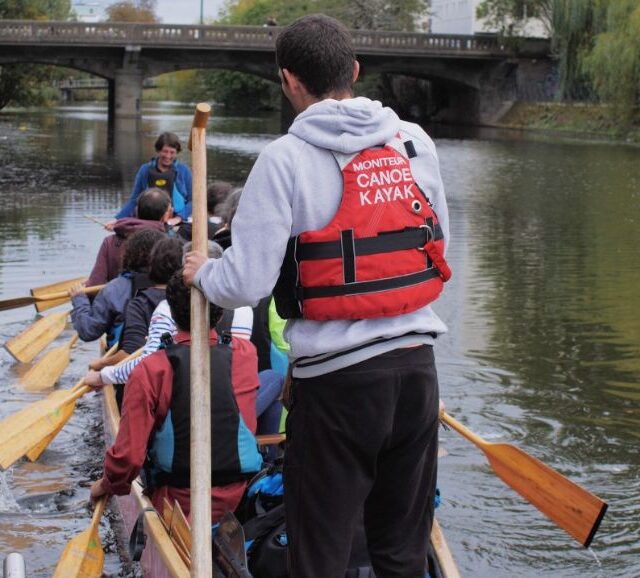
{"points": [[380, 256]]}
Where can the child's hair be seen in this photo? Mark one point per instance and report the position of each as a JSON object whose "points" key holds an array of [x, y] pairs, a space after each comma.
{"points": [[138, 248], [165, 260], [230, 206], [179, 299], [216, 194]]}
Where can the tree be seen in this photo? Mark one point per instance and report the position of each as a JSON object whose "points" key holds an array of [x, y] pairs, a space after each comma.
{"points": [[22, 83], [613, 64], [508, 17], [237, 89], [571, 25], [360, 14], [127, 11], [35, 9]]}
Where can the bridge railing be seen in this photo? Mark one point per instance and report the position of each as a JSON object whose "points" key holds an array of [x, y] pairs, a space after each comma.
{"points": [[246, 38]]}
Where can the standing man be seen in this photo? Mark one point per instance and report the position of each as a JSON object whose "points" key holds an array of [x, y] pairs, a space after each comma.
{"points": [[166, 172], [346, 217]]}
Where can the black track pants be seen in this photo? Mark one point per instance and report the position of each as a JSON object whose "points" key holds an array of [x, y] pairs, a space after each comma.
{"points": [[363, 437]]}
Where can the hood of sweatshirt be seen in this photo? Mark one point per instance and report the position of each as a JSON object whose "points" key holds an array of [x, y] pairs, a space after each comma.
{"points": [[129, 225], [346, 126]]}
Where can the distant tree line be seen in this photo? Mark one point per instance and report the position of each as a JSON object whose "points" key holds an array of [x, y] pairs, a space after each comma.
{"points": [[596, 43]]}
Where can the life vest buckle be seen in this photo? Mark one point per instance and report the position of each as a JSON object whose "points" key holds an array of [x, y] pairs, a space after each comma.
{"points": [[430, 237]]}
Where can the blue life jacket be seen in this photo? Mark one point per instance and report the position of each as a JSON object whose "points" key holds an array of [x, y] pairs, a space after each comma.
{"points": [[234, 449]]}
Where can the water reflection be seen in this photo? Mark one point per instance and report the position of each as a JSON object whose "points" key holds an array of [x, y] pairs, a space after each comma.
{"points": [[544, 335]]}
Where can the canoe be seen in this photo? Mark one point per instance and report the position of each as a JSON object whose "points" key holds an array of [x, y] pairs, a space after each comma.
{"points": [[161, 558]]}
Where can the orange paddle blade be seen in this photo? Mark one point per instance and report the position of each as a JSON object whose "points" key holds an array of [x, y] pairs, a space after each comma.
{"points": [[574, 509]]}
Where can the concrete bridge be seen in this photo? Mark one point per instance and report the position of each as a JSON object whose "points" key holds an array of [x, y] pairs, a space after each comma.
{"points": [[474, 75]]}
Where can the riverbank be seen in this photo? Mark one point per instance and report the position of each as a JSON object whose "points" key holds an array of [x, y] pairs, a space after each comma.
{"points": [[579, 120]]}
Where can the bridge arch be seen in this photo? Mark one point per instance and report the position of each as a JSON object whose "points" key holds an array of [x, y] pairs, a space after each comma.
{"points": [[125, 54]]}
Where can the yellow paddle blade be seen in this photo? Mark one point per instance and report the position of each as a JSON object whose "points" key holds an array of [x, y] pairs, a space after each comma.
{"points": [[65, 415], [60, 287], [83, 556], [26, 345], [13, 423], [48, 370], [48, 416]]}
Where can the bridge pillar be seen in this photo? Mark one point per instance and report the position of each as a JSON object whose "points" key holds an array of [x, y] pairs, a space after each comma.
{"points": [[127, 93]]}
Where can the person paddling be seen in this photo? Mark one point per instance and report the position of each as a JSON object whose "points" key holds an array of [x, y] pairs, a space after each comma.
{"points": [[357, 229], [155, 417], [166, 172], [105, 314], [153, 210]]}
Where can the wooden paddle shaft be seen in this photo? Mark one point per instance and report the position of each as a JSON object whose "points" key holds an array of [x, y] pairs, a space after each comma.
{"points": [[97, 513], [456, 425], [201, 554], [51, 296]]}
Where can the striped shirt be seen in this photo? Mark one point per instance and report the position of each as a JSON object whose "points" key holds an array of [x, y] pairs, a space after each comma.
{"points": [[161, 323]]}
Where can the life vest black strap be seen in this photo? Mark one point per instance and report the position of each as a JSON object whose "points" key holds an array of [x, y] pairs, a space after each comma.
{"points": [[368, 286], [348, 256], [414, 238], [183, 479]]}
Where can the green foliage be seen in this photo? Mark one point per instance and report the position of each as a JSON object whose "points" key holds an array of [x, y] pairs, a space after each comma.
{"points": [[614, 62], [129, 11], [235, 89], [508, 17], [363, 14], [574, 23], [25, 84], [35, 9]]}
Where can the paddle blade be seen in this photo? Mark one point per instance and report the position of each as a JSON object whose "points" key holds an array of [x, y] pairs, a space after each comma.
{"points": [[26, 345], [570, 506], [82, 557], [61, 286], [65, 414], [45, 374], [40, 422]]}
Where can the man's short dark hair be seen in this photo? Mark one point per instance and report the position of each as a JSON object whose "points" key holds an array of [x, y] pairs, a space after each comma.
{"points": [[168, 139], [152, 204], [216, 193], [318, 50], [179, 299], [138, 248], [165, 260]]}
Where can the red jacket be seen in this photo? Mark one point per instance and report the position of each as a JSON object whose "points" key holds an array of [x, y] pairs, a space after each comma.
{"points": [[147, 397], [109, 260]]}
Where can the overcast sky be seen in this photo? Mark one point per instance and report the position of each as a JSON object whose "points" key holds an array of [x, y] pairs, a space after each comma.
{"points": [[186, 11]]}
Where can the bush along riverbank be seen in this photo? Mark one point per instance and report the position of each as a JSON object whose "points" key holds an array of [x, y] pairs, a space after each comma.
{"points": [[589, 121]]}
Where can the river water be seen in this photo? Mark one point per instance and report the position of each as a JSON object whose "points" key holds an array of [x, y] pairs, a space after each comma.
{"points": [[543, 350]]}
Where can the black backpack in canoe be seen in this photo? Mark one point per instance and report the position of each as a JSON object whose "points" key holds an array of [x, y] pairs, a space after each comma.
{"points": [[265, 531]]}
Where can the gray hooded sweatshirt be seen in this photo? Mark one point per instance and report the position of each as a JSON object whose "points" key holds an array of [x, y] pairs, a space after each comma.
{"points": [[295, 186]]}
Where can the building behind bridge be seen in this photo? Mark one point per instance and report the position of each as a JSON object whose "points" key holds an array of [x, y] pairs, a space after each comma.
{"points": [[90, 10], [459, 17]]}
